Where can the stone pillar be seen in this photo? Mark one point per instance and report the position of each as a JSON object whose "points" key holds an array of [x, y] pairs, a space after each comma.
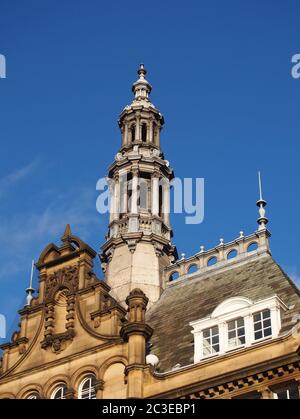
{"points": [[155, 194], [112, 197], [134, 196], [151, 131], [166, 202], [125, 135], [116, 198], [99, 386], [136, 332], [123, 194], [137, 129], [70, 394]]}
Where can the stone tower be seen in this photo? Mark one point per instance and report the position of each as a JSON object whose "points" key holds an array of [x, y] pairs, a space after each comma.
{"points": [[138, 245]]}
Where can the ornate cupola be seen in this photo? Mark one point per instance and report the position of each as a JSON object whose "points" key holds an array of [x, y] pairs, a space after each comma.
{"points": [[138, 245]]}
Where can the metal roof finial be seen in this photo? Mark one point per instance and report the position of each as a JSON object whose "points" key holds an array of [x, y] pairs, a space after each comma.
{"points": [[30, 290], [261, 203]]}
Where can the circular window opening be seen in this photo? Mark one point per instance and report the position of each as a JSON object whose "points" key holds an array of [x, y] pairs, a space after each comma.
{"points": [[192, 269], [174, 276], [252, 247], [212, 261], [232, 254]]}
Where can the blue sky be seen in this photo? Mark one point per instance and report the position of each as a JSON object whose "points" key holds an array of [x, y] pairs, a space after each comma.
{"points": [[221, 75]]}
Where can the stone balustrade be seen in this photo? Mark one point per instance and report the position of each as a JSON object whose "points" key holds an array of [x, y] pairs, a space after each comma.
{"points": [[219, 256]]}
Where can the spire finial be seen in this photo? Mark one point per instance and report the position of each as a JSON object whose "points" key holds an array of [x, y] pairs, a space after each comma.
{"points": [[142, 88], [261, 203], [142, 71], [67, 233], [30, 290]]}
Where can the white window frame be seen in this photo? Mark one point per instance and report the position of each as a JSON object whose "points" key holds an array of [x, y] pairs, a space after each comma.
{"points": [[233, 348], [89, 377], [211, 336], [34, 395], [232, 309], [62, 388]]}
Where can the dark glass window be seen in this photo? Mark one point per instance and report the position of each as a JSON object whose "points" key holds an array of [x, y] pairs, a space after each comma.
{"points": [[144, 132], [133, 133], [290, 392]]}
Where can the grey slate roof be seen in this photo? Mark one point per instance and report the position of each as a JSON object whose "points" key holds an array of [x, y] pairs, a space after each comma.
{"points": [[196, 297]]}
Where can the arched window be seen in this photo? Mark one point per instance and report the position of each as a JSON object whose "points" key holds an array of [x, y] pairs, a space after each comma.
{"points": [[212, 261], [144, 132], [253, 246], [87, 388], [33, 395], [59, 392], [232, 254], [174, 276], [132, 129], [192, 269]]}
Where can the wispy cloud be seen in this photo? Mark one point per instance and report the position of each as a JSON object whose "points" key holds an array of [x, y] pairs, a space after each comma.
{"points": [[15, 176], [24, 235], [25, 231]]}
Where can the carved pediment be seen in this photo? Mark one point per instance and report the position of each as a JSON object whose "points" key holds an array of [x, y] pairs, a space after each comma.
{"points": [[66, 278]]}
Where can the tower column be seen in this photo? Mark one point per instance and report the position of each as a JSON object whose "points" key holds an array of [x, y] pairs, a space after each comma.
{"points": [[112, 200], [126, 135], [136, 332], [155, 194], [166, 202], [151, 131], [134, 196], [116, 198], [137, 129]]}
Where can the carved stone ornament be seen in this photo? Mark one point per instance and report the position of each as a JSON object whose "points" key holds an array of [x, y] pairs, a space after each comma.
{"points": [[58, 342], [64, 278]]}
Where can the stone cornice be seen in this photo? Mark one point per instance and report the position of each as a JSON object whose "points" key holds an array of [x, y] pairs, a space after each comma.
{"points": [[136, 329]]}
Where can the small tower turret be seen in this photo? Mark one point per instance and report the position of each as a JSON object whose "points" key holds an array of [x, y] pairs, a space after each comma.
{"points": [[138, 245]]}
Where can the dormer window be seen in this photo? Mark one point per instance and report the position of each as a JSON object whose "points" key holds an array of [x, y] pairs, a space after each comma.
{"points": [[262, 324], [235, 324]]}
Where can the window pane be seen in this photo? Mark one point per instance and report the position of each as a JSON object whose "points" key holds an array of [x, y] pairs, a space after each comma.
{"points": [[215, 340], [231, 335], [268, 332], [257, 317], [258, 335], [240, 322], [282, 395], [215, 330], [241, 340], [267, 323], [215, 348], [257, 326], [294, 393], [206, 333], [241, 331], [231, 325], [266, 314]]}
